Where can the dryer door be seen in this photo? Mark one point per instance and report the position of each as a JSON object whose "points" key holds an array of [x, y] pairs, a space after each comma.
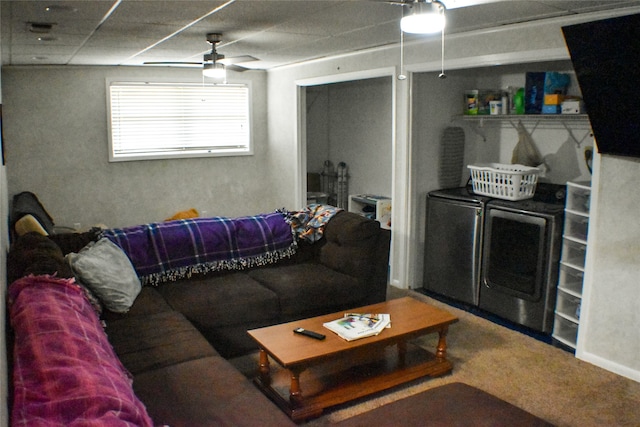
{"points": [[518, 283], [515, 253]]}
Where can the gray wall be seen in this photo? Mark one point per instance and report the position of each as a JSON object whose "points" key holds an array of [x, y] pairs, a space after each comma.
{"points": [[317, 125], [57, 147], [609, 319], [351, 122], [360, 117]]}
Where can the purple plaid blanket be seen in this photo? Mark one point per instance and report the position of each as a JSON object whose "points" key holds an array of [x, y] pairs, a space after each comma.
{"points": [[168, 251]]}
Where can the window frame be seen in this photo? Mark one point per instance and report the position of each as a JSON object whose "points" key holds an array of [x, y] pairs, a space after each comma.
{"points": [[209, 152]]}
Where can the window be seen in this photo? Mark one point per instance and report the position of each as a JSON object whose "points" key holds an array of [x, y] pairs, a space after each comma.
{"points": [[169, 120]]}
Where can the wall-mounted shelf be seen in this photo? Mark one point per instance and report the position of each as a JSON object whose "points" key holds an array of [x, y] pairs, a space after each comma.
{"points": [[525, 117], [512, 119]]}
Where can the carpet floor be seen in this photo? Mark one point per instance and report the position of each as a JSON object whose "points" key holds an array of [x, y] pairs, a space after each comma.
{"points": [[537, 377]]}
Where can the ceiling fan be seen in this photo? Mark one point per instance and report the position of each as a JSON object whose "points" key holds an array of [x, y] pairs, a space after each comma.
{"points": [[213, 60], [448, 4], [427, 17]]}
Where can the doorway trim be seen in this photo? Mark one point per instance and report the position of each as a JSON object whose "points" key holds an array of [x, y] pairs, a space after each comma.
{"points": [[400, 169]]}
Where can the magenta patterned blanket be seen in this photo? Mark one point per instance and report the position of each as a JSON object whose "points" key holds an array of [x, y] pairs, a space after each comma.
{"points": [[65, 371], [167, 251]]}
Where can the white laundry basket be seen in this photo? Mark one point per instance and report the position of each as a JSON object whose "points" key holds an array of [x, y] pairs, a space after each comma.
{"points": [[508, 182]]}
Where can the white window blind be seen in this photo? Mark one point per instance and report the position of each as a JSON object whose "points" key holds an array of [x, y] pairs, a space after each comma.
{"points": [[161, 120]]}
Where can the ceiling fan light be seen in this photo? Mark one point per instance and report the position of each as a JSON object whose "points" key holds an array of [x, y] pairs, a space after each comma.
{"points": [[214, 71], [423, 18]]}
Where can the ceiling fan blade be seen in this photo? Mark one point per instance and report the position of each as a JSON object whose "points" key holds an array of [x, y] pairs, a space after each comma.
{"points": [[237, 68], [211, 58], [448, 4], [455, 4], [237, 59], [186, 64]]}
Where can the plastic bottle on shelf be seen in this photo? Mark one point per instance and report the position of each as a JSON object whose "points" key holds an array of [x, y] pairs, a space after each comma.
{"points": [[518, 101], [505, 103]]}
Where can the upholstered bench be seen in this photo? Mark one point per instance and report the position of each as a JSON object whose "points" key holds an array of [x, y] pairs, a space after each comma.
{"points": [[450, 405]]}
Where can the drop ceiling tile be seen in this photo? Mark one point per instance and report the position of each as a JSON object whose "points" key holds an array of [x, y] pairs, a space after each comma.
{"points": [[278, 32], [172, 13]]}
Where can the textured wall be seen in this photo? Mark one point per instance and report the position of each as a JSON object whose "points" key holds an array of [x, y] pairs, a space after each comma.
{"points": [[360, 133], [57, 147], [351, 122], [609, 317]]}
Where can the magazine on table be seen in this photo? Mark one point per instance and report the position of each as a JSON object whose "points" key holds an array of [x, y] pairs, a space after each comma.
{"points": [[353, 326]]}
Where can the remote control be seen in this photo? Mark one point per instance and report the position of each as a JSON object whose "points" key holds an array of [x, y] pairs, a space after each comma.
{"points": [[311, 334]]}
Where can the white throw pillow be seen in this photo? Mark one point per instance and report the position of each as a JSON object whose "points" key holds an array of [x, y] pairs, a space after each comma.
{"points": [[105, 269]]}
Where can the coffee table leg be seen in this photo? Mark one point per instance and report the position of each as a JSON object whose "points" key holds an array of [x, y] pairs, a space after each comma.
{"points": [[295, 393], [265, 376], [441, 351], [402, 352]]}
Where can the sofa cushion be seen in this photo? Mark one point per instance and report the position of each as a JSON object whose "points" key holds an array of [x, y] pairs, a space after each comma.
{"points": [[305, 289], [234, 341], [149, 301], [205, 392], [220, 300], [351, 244], [348, 228], [107, 271], [155, 341]]}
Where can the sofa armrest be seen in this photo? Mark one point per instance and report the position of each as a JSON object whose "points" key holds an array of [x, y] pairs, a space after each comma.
{"points": [[65, 369], [357, 246], [381, 264]]}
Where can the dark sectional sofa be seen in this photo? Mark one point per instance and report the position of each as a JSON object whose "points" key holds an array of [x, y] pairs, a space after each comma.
{"points": [[177, 336], [180, 376], [347, 268]]}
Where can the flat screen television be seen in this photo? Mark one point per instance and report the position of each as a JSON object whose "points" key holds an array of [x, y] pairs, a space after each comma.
{"points": [[606, 58]]}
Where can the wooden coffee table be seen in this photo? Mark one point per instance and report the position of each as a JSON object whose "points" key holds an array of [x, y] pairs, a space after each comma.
{"points": [[313, 375]]}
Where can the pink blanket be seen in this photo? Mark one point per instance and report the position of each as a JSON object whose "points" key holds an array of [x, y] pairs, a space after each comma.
{"points": [[66, 372]]}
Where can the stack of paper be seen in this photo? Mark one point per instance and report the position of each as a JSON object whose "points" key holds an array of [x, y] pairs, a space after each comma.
{"points": [[354, 326]]}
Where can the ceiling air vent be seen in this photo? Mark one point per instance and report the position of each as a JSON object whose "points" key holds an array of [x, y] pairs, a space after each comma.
{"points": [[40, 27]]}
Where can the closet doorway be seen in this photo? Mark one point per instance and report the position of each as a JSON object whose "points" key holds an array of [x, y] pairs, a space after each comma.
{"points": [[349, 136]]}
